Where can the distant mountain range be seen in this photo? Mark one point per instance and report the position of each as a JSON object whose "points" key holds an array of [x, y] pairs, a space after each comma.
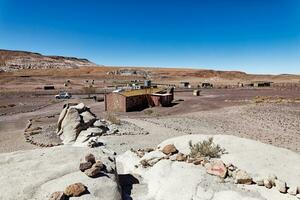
{"points": [[16, 60]]}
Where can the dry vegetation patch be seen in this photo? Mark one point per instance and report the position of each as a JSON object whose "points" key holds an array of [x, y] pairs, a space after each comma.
{"points": [[206, 148]]}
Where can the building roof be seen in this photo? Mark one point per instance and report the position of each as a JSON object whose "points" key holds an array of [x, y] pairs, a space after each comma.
{"points": [[140, 92]]}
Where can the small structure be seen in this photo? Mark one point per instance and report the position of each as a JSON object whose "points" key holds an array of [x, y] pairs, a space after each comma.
{"points": [[196, 92], [136, 100], [49, 87], [207, 85], [261, 84], [184, 84], [147, 83]]}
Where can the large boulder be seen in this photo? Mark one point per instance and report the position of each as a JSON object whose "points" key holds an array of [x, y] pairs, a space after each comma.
{"points": [[37, 174], [166, 177], [77, 125]]}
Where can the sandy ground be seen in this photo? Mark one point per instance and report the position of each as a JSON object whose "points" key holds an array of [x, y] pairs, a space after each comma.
{"points": [[214, 112]]}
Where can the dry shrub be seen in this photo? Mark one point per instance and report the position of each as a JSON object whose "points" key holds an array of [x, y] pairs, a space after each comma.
{"points": [[113, 119], [206, 148]]}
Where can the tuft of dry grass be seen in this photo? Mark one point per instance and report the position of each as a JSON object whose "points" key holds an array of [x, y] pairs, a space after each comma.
{"points": [[206, 148]]}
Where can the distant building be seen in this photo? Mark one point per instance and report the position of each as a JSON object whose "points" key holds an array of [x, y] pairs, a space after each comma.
{"points": [[136, 100], [207, 85], [184, 84], [196, 92], [260, 84], [49, 87]]}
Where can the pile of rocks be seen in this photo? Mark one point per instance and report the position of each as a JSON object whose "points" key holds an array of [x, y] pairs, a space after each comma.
{"points": [[73, 190], [94, 168], [216, 167]]}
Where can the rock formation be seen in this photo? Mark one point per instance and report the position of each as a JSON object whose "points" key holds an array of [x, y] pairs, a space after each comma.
{"points": [[16, 60], [47, 172], [77, 125], [166, 175]]}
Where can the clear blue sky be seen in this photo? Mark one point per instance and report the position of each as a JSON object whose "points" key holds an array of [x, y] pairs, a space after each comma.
{"points": [[256, 36]]}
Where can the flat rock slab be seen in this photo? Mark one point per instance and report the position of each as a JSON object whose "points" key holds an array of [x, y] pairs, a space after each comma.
{"points": [[36, 174]]}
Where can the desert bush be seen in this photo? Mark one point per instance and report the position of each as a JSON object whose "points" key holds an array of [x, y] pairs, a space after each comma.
{"points": [[113, 119], [206, 148]]}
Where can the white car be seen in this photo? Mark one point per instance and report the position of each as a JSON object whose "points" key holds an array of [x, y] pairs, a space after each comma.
{"points": [[118, 90], [63, 95]]}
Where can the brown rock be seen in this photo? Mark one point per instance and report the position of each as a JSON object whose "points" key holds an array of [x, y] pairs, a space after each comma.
{"points": [[98, 164], [169, 149], [93, 172], [75, 190], [144, 163], [90, 158], [216, 168], [242, 177], [197, 162], [180, 157], [84, 166], [58, 196]]}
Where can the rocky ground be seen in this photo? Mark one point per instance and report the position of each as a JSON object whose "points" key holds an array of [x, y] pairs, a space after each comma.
{"points": [[215, 113], [272, 123]]}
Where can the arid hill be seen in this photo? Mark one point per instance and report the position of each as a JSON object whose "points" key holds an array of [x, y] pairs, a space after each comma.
{"points": [[15, 60], [21, 63]]}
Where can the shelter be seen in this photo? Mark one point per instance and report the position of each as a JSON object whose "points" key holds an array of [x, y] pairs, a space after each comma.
{"points": [[184, 84], [207, 85], [261, 84], [136, 100]]}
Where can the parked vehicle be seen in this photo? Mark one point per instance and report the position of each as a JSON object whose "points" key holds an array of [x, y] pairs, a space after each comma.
{"points": [[118, 90], [63, 95]]}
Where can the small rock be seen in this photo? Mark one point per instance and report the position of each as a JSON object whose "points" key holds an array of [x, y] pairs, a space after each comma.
{"points": [[196, 162], [242, 177], [75, 190], [292, 190], [173, 157], [140, 153], [149, 150], [99, 123], [280, 186], [99, 164], [84, 166], [259, 181], [180, 157], [90, 158], [144, 163], [216, 168], [272, 178], [169, 149], [232, 174], [58, 196], [93, 172], [267, 183]]}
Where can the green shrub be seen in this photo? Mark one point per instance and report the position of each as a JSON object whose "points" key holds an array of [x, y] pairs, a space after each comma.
{"points": [[206, 148]]}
